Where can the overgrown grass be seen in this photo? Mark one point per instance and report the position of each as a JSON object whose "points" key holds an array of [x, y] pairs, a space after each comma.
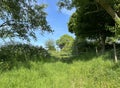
{"points": [[95, 73]]}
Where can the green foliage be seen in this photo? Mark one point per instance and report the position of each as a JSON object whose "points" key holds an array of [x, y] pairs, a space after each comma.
{"points": [[83, 22], [11, 54], [111, 6], [20, 18], [91, 22], [21, 52], [82, 46], [93, 19], [65, 43]]}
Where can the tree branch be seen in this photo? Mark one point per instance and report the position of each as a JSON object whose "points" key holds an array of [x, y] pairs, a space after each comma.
{"points": [[5, 23], [92, 12], [109, 10]]}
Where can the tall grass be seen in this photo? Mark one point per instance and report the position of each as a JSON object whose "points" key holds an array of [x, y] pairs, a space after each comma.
{"points": [[94, 73], [24, 66]]}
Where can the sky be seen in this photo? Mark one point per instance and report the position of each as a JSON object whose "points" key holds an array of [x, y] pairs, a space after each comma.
{"points": [[56, 19]]}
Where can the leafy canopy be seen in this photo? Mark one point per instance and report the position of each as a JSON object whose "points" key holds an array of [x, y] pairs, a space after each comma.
{"points": [[112, 7], [92, 21], [65, 42], [89, 24], [21, 18]]}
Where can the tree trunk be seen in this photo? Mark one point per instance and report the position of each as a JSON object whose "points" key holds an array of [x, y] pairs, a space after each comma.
{"points": [[76, 50], [103, 38], [115, 53], [96, 50], [109, 10]]}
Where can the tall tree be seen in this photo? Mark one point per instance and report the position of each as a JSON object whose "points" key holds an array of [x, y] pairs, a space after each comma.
{"points": [[21, 18], [50, 45], [91, 25]]}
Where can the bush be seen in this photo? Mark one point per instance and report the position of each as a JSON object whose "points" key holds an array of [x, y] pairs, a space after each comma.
{"points": [[13, 53], [22, 52]]}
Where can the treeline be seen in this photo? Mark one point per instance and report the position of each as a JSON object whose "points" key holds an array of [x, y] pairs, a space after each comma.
{"points": [[69, 46]]}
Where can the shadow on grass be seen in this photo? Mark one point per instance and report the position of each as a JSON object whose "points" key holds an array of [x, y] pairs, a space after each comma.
{"points": [[84, 56], [8, 65], [116, 66], [87, 56]]}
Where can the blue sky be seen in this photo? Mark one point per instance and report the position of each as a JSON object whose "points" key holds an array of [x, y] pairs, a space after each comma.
{"points": [[58, 21]]}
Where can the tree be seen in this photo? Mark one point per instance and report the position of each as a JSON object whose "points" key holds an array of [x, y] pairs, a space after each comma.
{"points": [[112, 7], [114, 40], [91, 25], [50, 45], [65, 42], [20, 18]]}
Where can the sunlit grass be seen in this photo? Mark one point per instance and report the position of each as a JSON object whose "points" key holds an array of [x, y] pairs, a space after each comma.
{"points": [[95, 73]]}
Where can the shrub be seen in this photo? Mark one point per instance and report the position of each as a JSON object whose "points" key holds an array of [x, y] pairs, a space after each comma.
{"points": [[22, 52], [12, 53]]}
